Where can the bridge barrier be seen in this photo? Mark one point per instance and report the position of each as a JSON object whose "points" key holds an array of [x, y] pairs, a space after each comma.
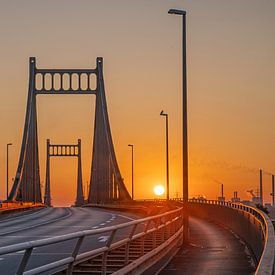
{"points": [[249, 223], [163, 230], [10, 206]]}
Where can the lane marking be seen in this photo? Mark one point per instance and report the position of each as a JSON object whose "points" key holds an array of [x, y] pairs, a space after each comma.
{"points": [[103, 239], [102, 224], [94, 227], [38, 224], [15, 218], [129, 218]]}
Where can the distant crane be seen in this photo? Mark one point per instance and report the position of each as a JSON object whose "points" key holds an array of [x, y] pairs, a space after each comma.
{"points": [[251, 192], [255, 198]]}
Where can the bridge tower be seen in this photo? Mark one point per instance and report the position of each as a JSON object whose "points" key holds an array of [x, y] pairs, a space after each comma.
{"points": [[64, 150], [106, 182]]}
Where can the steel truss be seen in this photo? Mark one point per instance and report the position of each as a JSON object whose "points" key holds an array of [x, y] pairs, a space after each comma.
{"points": [[106, 182]]}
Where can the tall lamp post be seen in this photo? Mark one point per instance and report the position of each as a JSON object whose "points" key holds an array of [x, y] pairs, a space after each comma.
{"points": [[184, 119], [167, 154], [8, 144], [132, 150]]}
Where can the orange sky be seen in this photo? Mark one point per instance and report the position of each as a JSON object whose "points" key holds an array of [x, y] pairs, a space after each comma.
{"points": [[231, 99]]}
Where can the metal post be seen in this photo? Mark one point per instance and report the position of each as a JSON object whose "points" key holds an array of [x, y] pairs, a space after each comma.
{"points": [[261, 186], [184, 121], [167, 154], [79, 190], [8, 144], [273, 190], [47, 195], [132, 150], [222, 190]]}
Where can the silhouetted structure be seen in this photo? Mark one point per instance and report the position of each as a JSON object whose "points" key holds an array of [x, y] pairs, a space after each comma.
{"points": [[64, 150], [106, 183]]}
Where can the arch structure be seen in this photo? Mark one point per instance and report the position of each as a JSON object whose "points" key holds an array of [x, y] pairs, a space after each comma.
{"points": [[64, 150], [106, 182]]}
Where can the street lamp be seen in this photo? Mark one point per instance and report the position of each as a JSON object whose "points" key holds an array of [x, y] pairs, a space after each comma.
{"points": [[8, 144], [132, 149], [184, 120], [167, 155]]}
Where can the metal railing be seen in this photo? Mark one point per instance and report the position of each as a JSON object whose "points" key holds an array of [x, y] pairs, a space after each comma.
{"points": [[266, 261], [167, 226]]}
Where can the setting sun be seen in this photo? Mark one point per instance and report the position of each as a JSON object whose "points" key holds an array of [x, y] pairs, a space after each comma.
{"points": [[159, 190]]}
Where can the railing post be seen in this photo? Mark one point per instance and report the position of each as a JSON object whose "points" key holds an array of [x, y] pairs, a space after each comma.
{"points": [[143, 237], [24, 261], [74, 254], [105, 254], [155, 234], [162, 230], [128, 244]]}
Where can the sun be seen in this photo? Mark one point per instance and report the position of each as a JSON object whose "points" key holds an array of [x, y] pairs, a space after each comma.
{"points": [[159, 190]]}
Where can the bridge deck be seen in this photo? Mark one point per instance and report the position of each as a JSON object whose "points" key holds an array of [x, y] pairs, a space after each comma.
{"points": [[211, 250]]}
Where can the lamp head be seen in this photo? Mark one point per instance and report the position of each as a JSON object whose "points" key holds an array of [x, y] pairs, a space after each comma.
{"points": [[163, 114], [178, 12]]}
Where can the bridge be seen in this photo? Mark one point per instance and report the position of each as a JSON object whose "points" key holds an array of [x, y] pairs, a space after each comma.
{"points": [[110, 233]]}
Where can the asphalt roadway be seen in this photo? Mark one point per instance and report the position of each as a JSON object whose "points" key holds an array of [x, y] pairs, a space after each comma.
{"points": [[50, 222]]}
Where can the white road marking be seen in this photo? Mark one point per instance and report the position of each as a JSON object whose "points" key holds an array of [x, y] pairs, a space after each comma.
{"points": [[103, 239], [102, 223], [129, 218], [15, 218], [94, 227], [108, 221], [38, 224]]}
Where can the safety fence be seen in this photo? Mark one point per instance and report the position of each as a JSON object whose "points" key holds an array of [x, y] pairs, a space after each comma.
{"points": [[249, 223], [163, 230]]}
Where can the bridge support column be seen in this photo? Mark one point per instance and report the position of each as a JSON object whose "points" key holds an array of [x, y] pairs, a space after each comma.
{"points": [[47, 196], [79, 195]]}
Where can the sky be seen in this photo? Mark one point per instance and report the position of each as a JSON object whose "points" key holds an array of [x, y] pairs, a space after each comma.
{"points": [[231, 89]]}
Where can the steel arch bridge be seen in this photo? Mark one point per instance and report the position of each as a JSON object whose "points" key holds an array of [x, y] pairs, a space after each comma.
{"points": [[106, 182]]}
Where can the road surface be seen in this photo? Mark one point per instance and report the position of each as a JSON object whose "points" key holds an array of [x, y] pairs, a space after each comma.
{"points": [[50, 222]]}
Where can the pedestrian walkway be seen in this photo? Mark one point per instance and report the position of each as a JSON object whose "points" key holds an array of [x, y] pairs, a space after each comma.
{"points": [[211, 250]]}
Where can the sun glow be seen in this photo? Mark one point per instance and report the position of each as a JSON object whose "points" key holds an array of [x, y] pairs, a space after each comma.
{"points": [[159, 190]]}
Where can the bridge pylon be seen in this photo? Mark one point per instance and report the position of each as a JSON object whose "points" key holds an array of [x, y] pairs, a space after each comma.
{"points": [[64, 150], [106, 182]]}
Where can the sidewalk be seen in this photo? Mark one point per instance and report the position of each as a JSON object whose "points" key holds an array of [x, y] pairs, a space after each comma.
{"points": [[211, 250]]}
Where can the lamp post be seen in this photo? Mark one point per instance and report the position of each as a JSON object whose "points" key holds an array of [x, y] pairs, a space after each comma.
{"points": [[132, 150], [184, 120], [8, 144], [167, 154]]}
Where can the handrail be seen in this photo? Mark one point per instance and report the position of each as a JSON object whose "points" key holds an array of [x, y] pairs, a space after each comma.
{"points": [[266, 263], [151, 224]]}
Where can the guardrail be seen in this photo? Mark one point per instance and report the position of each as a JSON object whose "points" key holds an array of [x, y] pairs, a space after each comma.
{"points": [[8, 206], [252, 225], [164, 229]]}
